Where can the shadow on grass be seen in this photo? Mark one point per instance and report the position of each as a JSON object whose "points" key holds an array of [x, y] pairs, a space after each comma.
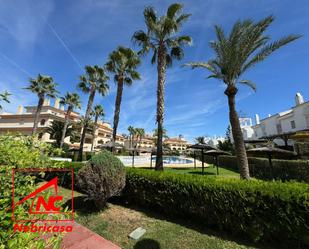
{"points": [[82, 205], [201, 173], [147, 244], [190, 223]]}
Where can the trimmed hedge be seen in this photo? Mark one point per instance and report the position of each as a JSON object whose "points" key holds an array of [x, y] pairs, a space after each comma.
{"points": [[273, 212], [102, 177], [284, 170]]}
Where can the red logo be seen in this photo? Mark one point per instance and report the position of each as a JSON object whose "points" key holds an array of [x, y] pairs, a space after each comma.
{"points": [[39, 204]]}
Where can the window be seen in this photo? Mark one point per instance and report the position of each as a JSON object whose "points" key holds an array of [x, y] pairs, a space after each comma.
{"points": [[293, 124], [42, 122], [279, 128], [40, 135]]}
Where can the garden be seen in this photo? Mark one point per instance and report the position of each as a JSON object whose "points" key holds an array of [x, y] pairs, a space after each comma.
{"points": [[197, 211]]}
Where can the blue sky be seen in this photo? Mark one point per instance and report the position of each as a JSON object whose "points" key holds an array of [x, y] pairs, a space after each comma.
{"points": [[59, 37]]}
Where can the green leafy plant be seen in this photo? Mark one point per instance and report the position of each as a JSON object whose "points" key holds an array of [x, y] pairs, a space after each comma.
{"points": [[258, 210], [284, 170], [102, 177], [18, 152]]}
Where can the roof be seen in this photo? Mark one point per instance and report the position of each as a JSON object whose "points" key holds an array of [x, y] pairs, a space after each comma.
{"points": [[175, 140]]}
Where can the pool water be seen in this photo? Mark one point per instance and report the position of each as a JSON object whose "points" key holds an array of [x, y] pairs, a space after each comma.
{"points": [[138, 160], [174, 160]]}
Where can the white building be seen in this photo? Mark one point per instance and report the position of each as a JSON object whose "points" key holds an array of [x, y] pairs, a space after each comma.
{"points": [[214, 141], [281, 124]]}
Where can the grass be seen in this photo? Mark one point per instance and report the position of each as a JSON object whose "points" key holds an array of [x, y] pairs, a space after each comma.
{"points": [[116, 222], [209, 171]]}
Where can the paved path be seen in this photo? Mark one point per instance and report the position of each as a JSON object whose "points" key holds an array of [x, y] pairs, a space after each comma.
{"points": [[83, 238]]}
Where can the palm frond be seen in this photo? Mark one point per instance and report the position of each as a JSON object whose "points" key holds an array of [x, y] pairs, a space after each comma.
{"points": [[182, 18], [248, 83], [269, 49], [173, 9], [177, 53]]}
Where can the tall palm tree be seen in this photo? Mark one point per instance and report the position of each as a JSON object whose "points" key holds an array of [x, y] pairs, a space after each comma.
{"points": [[122, 63], [93, 81], [72, 100], [245, 46], [131, 130], [97, 112], [43, 86], [160, 37]]}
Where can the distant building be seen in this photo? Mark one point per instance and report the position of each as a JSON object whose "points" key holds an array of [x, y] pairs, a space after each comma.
{"points": [[280, 127], [213, 141], [176, 143], [22, 122]]}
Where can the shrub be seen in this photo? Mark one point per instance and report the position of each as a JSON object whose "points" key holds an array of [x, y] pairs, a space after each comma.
{"points": [[21, 152], [281, 169], [261, 211], [102, 177]]}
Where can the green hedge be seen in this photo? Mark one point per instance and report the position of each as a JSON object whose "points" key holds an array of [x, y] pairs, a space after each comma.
{"points": [[259, 168], [261, 211]]}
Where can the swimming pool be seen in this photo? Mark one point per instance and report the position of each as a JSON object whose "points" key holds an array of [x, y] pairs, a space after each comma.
{"points": [[139, 160]]}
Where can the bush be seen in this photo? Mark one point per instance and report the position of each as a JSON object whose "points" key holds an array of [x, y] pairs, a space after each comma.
{"points": [[281, 169], [24, 151], [261, 211], [102, 177], [21, 152]]}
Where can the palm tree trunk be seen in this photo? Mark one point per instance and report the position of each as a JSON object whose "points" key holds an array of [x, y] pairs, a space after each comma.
{"points": [[240, 149], [160, 105], [94, 131], [37, 114], [65, 126], [87, 115], [117, 110]]}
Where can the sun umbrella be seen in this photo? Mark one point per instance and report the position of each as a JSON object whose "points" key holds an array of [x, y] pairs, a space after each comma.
{"points": [[216, 153], [202, 147]]}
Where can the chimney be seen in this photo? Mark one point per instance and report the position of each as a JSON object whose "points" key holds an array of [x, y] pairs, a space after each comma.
{"points": [[46, 102], [57, 103], [299, 99], [257, 119], [20, 109]]}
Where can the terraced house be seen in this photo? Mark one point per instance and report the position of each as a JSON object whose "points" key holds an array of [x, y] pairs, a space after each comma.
{"points": [[22, 122]]}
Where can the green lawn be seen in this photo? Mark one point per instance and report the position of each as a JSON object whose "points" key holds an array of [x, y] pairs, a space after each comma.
{"points": [[208, 171], [116, 222]]}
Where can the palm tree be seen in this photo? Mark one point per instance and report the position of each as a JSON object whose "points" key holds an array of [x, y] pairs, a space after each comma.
{"points": [[97, 112], [4, 97], [43, 86], [200, 140], [131, 130], [164, 131], [122, 63], [94, 80], [160, 37], [56, 131], [243, 48], [140, 133], [72, 100]]}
